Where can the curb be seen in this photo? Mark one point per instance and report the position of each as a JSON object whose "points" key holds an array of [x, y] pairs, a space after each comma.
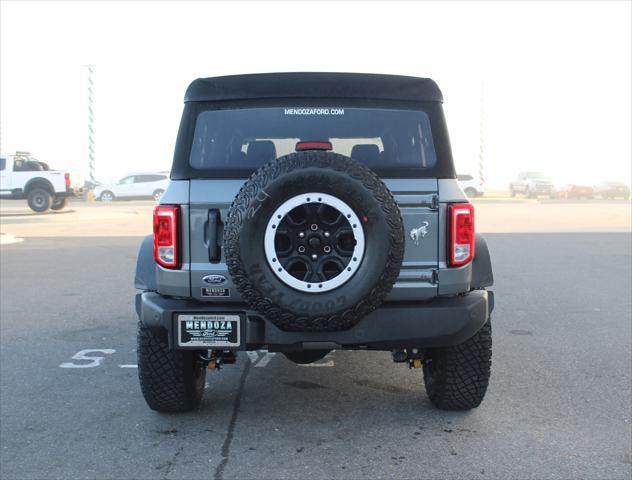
{"points": [[9, 238]]}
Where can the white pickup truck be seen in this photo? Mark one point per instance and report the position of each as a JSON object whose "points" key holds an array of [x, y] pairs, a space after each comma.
{"points": [[22, 176]]}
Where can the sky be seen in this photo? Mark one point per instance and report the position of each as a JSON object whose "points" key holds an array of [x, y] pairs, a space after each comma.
{"points": [[541, 85]]}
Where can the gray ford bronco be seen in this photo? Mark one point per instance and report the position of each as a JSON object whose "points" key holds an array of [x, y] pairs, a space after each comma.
{"points": [[308, 212]]}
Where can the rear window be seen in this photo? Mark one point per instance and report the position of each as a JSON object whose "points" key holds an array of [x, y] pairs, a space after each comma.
{"points": [[149, 178], [244, 139]]}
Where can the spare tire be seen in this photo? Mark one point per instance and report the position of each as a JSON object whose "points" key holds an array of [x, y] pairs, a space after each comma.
{"points": [[314, 241]]}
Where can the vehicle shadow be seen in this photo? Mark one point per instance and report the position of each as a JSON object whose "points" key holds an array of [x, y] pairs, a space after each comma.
{"points": [[364, 389]]}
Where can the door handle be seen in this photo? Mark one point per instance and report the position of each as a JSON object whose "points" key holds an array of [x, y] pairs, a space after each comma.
{"points": [[214, 235]]}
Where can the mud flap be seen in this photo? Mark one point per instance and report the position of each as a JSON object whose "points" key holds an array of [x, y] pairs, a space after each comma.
{"points": [[482, 275], [145, 278]]}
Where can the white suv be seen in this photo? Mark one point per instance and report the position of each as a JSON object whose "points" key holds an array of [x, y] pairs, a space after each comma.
{"points": [[139, 185], [471, 186]]}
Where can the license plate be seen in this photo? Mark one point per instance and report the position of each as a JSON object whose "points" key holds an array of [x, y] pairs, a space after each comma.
{"points": [[208, 331]]}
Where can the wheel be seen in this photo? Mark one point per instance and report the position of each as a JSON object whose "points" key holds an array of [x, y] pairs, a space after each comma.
{"points": [[306, 356], [456, 378], [157, 194], [171, 380], [470, 192], [106, 196], [332, 241], [39, 200], [59, 203]]}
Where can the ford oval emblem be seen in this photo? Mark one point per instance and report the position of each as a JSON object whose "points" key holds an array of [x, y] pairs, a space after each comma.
{"points": [[214, 279]]}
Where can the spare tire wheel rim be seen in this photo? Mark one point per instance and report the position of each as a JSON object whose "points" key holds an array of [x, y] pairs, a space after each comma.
{"points": [[314, 242]]}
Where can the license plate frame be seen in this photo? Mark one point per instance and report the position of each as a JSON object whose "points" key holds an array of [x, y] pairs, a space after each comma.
{"points": [[209, 330]]}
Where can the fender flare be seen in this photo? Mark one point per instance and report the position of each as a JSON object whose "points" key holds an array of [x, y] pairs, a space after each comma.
{"points": [[39, 181], [145, 277], [482, 275]]}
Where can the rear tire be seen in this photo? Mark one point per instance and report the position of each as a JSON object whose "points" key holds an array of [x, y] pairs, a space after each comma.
{"points": [[456, 378], [171, 380], [59, 203], [39, 200], [107, 196]]}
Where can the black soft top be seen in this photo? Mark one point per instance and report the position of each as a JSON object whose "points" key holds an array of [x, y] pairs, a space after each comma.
{"points": [[313, 85]]}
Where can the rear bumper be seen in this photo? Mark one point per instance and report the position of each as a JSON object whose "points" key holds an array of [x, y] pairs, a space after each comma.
{"points": [[441, 322]]}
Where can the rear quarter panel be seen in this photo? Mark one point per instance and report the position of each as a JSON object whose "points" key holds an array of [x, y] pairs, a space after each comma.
{"points": [[177, 282], [22, 179]]}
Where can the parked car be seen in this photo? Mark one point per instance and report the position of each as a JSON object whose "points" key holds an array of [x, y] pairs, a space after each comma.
{"points": [[301, 229], [22, 176], [532, 184], [136, 186], [470, 185], [576, 191], [612, 190]]}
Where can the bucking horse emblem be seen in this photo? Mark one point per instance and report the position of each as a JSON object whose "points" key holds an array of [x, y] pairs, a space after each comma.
{"points": [[419, 232]]}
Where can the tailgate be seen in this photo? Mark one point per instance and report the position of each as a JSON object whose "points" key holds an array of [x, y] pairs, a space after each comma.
{"points": [[211, 199]]}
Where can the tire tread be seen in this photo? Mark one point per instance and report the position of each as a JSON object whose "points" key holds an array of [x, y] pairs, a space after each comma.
{"points": [[167, 378], [458, 376]]}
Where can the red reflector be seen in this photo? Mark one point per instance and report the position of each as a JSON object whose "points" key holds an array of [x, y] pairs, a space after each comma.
{"points": [[462, 235], [67, 179], [166, 235], [301, 146]]}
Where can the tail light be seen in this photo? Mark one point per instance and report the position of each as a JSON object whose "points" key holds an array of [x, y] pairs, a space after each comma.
{"points": [[462, 237], [166, 235], [67, 179]]}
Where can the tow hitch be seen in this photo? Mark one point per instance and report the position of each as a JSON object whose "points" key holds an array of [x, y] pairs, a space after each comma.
{"points": [[218, 358], [414, 357]]}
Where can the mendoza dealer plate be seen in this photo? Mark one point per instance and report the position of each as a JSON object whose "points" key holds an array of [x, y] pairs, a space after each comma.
{"points": [[208, 331]]}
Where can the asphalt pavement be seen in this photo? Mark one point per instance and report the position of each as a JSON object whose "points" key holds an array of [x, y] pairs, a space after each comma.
{"points": [[558, 404]]}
